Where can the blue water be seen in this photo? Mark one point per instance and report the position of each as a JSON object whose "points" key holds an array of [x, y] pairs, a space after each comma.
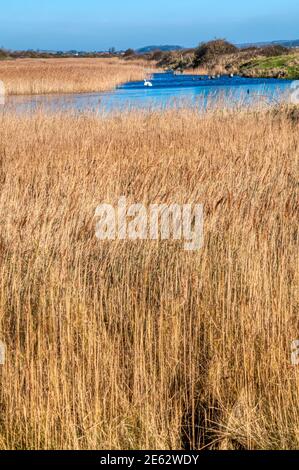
{"points": [[168, 90]]}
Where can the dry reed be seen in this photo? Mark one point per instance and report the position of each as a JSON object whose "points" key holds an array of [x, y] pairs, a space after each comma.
{"points": [[140, 345], [40, 76]]}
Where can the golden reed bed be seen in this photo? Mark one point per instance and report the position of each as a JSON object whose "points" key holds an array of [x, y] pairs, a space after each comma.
{"points": [[131, 345], [39, 76]]}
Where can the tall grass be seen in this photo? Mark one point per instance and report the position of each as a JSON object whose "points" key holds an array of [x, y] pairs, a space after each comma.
{"points": [[132, 345], [39, 76]]}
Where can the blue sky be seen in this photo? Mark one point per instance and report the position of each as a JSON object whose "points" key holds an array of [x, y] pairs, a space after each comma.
{"points": [[100, 24]]}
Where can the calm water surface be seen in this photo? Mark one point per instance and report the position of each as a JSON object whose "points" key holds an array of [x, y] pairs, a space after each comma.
{"points": [[168, 90]]}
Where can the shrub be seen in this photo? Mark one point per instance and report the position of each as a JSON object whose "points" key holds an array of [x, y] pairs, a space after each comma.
{"points": [[129, 53], [210, 50], [274, 50], [3, 54], [157, 55]]}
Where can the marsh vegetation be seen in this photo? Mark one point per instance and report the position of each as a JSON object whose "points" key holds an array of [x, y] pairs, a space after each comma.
{"points": [[140, 345]]}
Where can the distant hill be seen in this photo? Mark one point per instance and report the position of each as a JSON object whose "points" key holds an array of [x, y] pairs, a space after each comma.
{"points": [[146, 49], [167, 48], [285, 43]]}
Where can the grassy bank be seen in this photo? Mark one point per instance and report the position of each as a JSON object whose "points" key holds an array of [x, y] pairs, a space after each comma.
{"points": [[285, 66], [38, 76], [129, 345]]}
